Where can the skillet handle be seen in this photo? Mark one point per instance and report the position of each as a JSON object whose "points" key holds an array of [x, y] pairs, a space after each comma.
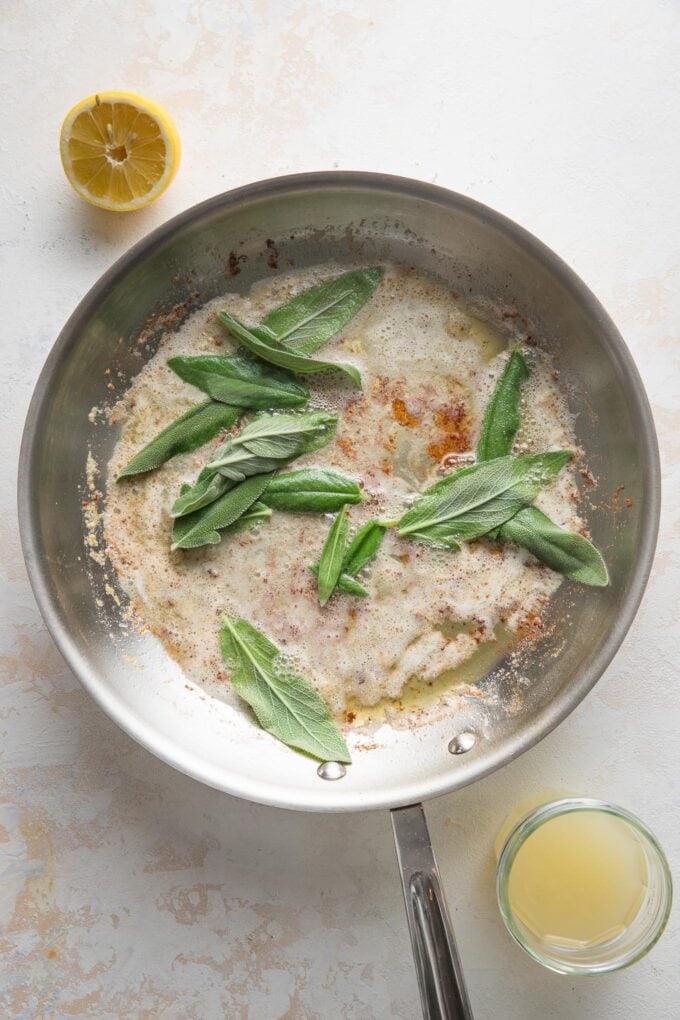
{"points": [[443, 994]]}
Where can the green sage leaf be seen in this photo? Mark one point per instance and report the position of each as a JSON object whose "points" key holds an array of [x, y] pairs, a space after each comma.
{"points": [[265, 444], [208, 487], [330, 562], [200, 424], [285, 704], [243, 382], [265, 346], [346, 584], [272, 440], [564, 551], [311, 490], [438, 536], [307, 321], [256, 515], [363, 547], [501, 418], [203, 526], [350, 586], [471, 502]]}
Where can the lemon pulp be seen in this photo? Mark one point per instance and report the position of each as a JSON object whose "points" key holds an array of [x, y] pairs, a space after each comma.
{"points": [[119, 150]]}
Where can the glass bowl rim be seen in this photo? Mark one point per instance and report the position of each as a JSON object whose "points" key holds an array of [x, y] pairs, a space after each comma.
{"points": [[525, 827]]}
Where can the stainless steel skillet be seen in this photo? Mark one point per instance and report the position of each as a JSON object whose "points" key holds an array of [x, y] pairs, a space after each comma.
{"points": [[349, 218]]}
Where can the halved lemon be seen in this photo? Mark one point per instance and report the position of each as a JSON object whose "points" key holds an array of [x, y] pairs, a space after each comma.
{"points": [[119, 150]]}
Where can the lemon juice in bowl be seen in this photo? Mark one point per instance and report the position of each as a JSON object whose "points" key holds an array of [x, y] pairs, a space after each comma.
{"points": [[582, 885]]}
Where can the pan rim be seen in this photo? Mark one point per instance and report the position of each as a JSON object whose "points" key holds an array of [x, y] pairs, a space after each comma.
{"points": [[550, 716]]}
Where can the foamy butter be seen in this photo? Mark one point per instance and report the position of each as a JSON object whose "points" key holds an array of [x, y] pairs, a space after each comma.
{"points": [[429, 365]]}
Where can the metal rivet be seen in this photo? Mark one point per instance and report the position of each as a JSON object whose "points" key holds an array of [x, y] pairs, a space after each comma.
{"points": [[331, 770], [463, 742]]}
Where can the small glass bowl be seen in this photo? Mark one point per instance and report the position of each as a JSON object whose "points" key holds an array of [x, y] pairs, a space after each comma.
{"points": [[624, 948]]}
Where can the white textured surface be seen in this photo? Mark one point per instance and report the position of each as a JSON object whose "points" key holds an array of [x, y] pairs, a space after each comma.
{"points": [[127, 889]]}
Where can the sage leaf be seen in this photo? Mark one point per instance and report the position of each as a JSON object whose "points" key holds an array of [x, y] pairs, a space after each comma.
{"points": [[263, 343], [346, 584], [564, 551], [363, 547], [307, 321], [203, 526], [438, 536], [243, 382], [285, 704], [350, 586], [567, 553], [268, 442], [501, 418], [311, 490], [330, 561], [471, 502], [257, 514], [272, 440], [359, 552], [208, 487], [200, 424]]}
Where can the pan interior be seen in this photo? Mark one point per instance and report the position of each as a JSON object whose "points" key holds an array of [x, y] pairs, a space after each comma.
{"points": [[227, 244]]}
